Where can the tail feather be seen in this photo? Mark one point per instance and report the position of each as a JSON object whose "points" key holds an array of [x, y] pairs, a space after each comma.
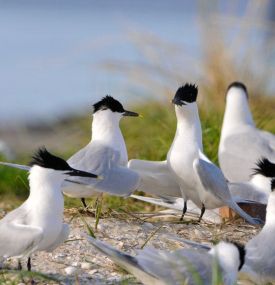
{"points": [[243, 214], [189, 242], [126, 261]]}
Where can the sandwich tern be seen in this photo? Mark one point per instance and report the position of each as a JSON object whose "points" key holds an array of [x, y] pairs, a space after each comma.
{"points": [[155, 267], [105, 155], [241, 143], [199, 179], [37, 225]]}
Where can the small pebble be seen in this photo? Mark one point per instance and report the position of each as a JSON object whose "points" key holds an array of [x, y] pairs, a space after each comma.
{"points": [[70, 270], [120, 245], [86, 265], [100, 227], [91, 272]]}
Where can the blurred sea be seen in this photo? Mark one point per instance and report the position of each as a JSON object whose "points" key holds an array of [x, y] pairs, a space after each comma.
{"points": [[51, 51]]}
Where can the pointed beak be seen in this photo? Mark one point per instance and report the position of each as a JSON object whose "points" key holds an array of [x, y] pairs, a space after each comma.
{"points": [[130, 114], [80, 173], [178, 102]]}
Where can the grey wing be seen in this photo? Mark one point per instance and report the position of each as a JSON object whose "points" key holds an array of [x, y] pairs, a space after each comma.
{"points": [[15, 165], [189, 242], [185, 265], [214, 182], [18, 239], [156, 178], [269, 137], [101, 160], [245, 191], [212, 179], [167, 202], [94, 157], [260, 255], [126, 261], [177, 204], [240, 153], [61, 238]]}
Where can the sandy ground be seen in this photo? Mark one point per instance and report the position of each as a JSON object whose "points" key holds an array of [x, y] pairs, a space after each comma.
{"points": [[77, 262]]}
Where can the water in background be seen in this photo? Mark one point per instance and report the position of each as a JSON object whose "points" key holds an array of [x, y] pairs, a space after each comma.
{"points": [[51, 51]]}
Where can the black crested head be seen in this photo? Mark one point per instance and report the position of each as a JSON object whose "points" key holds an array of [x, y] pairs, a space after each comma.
{"points": [[186, 94], [273, 184], [242, 252], [108, 102], [265, 168], [45, 159]]}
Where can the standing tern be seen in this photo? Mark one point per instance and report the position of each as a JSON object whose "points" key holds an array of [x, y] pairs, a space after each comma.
{"points": [[37, 225], [105, 155], [184, 266], [199, 179], [241, 143]]}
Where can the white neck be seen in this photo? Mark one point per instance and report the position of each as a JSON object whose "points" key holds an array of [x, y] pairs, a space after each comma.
{"points": [[45, 190], [270, 210], [237, 111], [105, 128], [262, 183], [188, 124], [229, 260]]}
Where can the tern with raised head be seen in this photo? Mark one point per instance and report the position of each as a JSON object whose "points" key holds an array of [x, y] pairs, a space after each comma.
{"points": [[241, 142], [199, 179]]}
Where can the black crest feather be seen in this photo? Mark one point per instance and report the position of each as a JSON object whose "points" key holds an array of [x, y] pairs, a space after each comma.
{"points": [[108, 102], [265, 168], [186, 93], [238, 85], [242, 252], [45, 159]]}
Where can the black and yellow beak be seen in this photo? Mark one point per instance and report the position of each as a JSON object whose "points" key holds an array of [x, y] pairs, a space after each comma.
{"points": [[80, 173], [178, 101], [130, 114]]}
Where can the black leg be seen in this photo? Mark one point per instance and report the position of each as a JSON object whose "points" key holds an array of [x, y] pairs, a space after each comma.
{"points": [[84, 203], [202, 212], [183, 210], [19, 266], [29, 265]]}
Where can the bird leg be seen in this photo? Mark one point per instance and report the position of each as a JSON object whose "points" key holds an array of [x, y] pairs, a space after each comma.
{"points": [[202, 212], [19, 266], [29, 265], [84, 203], [183, 210]]}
